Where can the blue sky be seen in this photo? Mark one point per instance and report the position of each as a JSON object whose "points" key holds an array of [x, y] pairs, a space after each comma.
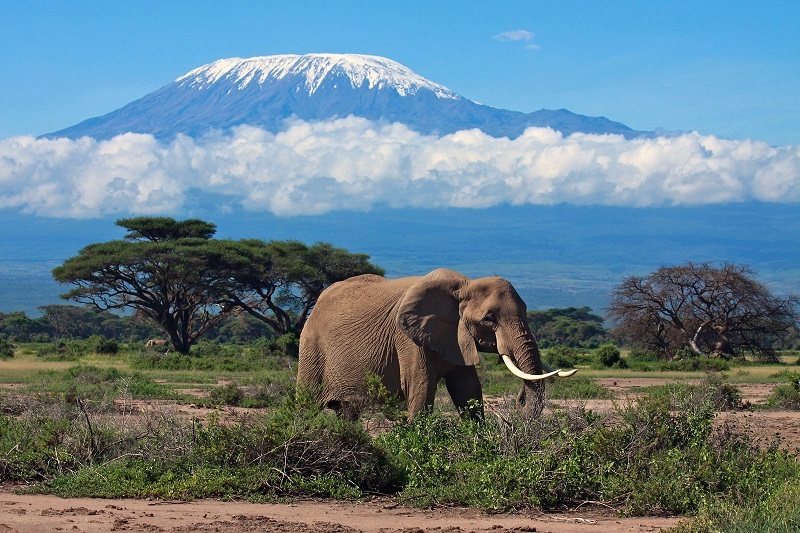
{"points": [[731, 69]]}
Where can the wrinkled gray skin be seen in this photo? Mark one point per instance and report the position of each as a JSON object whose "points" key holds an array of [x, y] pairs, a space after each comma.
{"points": [[412, 332]]}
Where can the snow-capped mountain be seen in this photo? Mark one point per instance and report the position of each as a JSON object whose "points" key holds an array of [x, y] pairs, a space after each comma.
{"points": [[264, 91]]}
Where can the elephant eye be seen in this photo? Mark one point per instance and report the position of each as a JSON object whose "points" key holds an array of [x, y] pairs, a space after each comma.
{"points": [[489, 319]]}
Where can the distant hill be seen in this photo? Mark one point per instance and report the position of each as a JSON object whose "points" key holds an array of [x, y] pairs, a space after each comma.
{"points": [[556, 256], [265, 91]]}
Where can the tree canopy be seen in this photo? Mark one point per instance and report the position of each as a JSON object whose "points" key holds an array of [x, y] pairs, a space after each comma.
{"points": [[179, 278], [279, 281], [721, 311], [575, 327]]}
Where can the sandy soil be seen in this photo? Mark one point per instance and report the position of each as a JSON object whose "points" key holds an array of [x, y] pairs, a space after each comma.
{"points": [[34, 513], [25, 513]]}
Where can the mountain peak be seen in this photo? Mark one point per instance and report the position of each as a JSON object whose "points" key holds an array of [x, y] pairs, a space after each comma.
{"points": [[266, 91], [374, 72]]}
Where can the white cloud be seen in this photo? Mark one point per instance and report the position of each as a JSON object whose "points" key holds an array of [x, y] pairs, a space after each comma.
{"points": [[352, 163], [518, 35], [515, 35]]}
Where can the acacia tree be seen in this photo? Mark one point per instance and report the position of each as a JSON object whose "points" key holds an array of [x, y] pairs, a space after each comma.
{"points": [[177, 277], [165, 269], [720, 311], [279, 282]]}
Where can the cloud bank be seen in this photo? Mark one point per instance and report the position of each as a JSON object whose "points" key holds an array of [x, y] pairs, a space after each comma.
{"points": [[352, 163]]}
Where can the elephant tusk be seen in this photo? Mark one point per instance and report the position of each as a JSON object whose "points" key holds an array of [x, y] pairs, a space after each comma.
{"points": [[561, 373], [520, 374]]}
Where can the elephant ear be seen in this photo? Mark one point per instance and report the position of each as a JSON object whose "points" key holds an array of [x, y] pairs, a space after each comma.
{"points": [[429, 315]]}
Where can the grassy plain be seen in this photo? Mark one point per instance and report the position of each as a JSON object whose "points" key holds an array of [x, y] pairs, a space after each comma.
{"points": [[227, 424]]}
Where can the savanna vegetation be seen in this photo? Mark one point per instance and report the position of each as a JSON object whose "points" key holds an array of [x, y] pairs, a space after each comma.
{"points": [[95, 412], [178, 278]]}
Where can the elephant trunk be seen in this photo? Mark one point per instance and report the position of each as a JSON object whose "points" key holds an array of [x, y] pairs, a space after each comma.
{"points": [[521, 355]]}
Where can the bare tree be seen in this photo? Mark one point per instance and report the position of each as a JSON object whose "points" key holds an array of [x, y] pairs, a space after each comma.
{"points": [[721, 311]]}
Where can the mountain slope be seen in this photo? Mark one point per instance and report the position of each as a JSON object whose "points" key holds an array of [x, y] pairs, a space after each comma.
{"points": [[265, 91]]}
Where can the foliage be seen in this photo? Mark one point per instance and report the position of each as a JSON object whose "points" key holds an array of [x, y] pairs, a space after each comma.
{"points": [[663, 455], [294, 450], [17, 327], [608, 355], [176, 276], [163, 270], [571, 327], [97, 386], [6, 348], [273, 353], [281, 280], [721, 311], [778, 512], [561, 356], [228, 394], [639, 355], [787, 394]]}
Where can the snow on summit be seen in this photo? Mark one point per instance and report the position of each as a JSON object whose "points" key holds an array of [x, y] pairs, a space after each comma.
{"points": [[373, 71]]}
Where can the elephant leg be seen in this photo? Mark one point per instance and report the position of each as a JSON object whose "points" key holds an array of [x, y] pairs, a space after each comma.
{"points": [[421, 397], [465, 390]]}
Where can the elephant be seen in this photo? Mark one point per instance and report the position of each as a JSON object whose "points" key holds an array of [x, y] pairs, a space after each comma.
{"points": [[156, 342], [413, 331]]}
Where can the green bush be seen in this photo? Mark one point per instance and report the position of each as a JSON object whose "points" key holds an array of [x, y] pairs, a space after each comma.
{"points": [[97, 386], [560, 357], [642, 356], [228, 394], [102, 345], [786, 395], [6, 348], [62, 351], [295, 450], [264, 354], [608, 355], [663, 454]]}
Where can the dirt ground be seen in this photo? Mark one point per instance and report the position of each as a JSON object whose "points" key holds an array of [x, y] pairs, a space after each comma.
{"points": [[40, 513]]}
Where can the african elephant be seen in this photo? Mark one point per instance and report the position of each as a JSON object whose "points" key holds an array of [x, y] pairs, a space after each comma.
{"points": [[156, 342], [413, 331]]}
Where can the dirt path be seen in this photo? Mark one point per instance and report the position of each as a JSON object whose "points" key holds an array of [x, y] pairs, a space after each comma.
{"points": [[41, 513]]}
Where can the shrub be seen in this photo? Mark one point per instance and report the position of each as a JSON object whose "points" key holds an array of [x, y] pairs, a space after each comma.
{"points": [[228, 394], [608, 355], [6, 348], [295, 450], [642, 356], [97, 387], [288, 344], [62, 351], [268, 391], [214, 356], [561, 357], [786, 395], [102, 345]]}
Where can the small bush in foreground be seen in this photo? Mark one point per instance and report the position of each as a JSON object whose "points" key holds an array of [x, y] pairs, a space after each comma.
{"points": [[661, 455], [787, 395], [295, 450]]}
